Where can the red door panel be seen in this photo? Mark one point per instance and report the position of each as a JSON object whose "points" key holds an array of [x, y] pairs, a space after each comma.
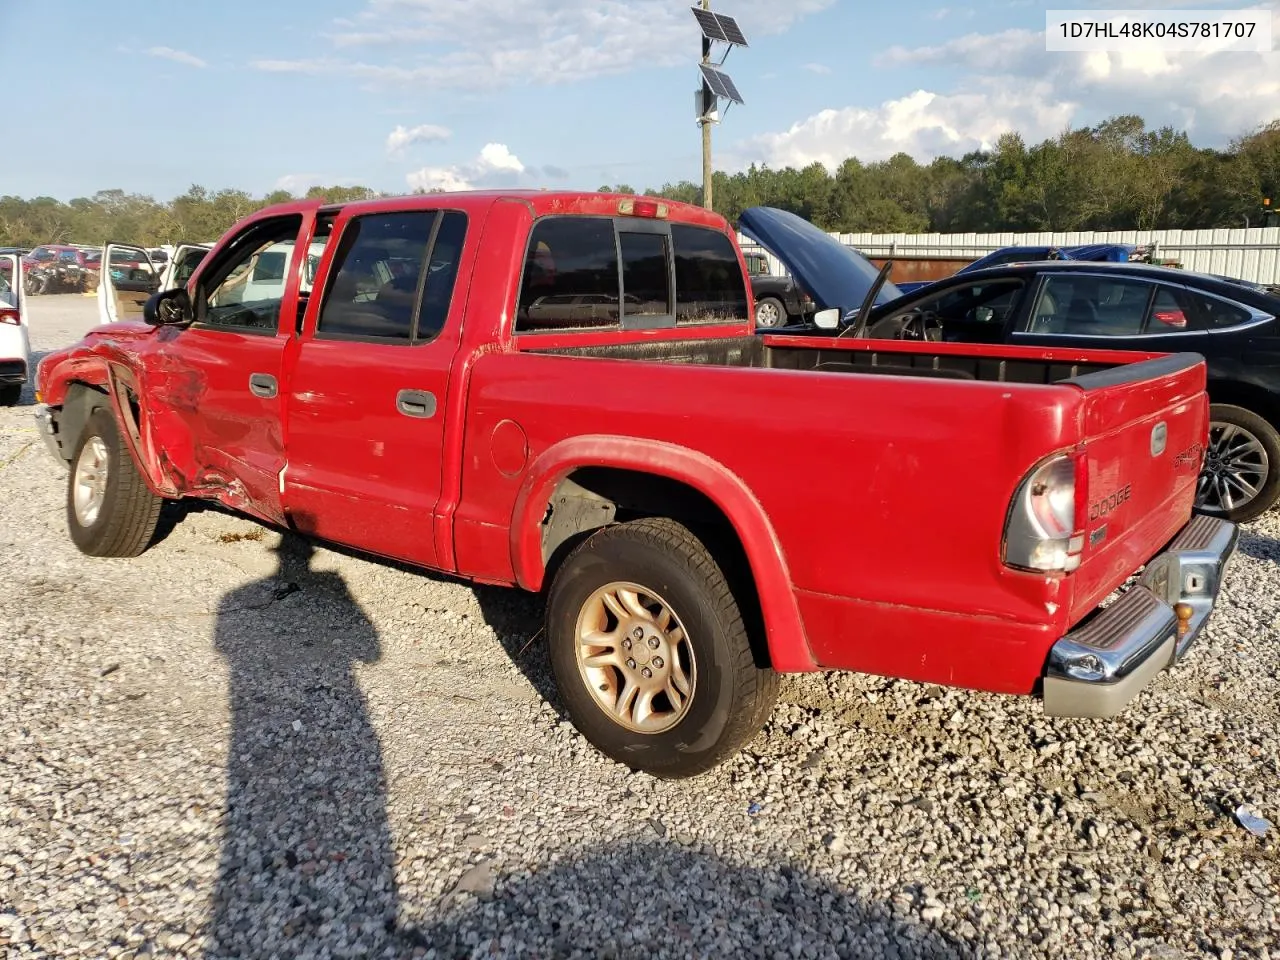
{"points": [[366, 435], [237, 440]]}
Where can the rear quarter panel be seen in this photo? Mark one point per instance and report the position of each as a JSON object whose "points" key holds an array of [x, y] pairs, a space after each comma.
{"points": [[882, 495]]}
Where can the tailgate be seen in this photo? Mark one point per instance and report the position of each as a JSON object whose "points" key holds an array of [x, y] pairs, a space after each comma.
{"points": [[1144, 425]]}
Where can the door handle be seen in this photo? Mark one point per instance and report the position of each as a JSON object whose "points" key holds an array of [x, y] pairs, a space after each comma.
{"points": [[416, 403], [262, 385]]}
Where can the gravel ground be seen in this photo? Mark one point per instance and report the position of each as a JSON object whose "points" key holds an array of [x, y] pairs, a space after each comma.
{"points": [[238, 746]]}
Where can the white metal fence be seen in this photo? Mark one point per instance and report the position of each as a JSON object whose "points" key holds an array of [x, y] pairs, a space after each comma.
{"points": [[1249, 254]]}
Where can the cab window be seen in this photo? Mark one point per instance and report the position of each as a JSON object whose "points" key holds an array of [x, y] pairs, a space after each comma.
{"points": [[245, 290], [393, 277]]}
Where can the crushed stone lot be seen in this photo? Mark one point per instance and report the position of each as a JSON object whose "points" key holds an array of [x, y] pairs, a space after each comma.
{"points": [[235, 746]]}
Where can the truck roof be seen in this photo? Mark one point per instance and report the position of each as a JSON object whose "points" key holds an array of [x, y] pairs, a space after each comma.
{"points": [[541, 202]]}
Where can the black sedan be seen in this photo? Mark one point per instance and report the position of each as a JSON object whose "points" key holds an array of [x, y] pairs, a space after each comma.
{"points": [[1153, 309]]}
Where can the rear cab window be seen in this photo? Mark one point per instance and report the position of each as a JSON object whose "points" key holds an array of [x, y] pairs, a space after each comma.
{"points": [[393, 276], [601, 273]]}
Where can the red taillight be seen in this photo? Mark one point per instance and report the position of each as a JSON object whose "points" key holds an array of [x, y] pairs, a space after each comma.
{"points": [[8, 315], [1044, 529], [643, 208], [1173, 318]]}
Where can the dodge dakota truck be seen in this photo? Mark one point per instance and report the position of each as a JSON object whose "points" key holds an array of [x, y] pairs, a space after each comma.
{"points": [[564, 393]]}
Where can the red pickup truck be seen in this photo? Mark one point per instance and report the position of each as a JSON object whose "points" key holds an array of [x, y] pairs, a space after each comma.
{"points": [[565, 392]]}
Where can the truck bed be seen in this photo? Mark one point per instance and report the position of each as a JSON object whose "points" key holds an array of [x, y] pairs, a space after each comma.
{"points": [[941, 361]]}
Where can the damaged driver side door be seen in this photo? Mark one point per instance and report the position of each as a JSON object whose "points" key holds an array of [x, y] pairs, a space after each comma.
{"points": [[221, 374]]}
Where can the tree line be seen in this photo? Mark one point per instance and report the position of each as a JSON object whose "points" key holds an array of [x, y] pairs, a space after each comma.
{"points": [[1117, 175]]}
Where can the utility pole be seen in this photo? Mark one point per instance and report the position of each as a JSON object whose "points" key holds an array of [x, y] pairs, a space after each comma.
{"points": [[708, 106], [716, 84]]}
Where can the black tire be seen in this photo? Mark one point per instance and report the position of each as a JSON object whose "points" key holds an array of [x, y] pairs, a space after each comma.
{"points": [[1246, 420], [126, 520], [731, 697], [10, 394], [778, 309]]}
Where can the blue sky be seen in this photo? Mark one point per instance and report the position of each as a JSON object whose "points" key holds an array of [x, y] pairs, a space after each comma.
{"points": [[575, 93]]}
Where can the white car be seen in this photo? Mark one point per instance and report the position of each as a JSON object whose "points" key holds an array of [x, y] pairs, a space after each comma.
{"points": [[123, 289], [15, 341]]}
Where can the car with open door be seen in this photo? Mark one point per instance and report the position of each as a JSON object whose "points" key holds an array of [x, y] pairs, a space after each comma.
{"points": [[1070, 304], [128, 276], [15, 341]]}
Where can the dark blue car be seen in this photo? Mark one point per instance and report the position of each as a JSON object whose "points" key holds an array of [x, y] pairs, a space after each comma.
{"points": [[1096, 252]]}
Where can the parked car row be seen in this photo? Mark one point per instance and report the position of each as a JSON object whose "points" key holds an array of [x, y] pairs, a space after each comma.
{"points": [[1071, 304], [75, 268], [566, 393]]}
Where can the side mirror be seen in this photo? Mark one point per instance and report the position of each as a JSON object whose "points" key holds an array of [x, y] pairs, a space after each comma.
{"points": [[168, 308], [827, 319]]}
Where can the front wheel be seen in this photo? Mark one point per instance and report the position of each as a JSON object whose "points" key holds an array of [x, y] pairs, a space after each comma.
{"points": [[650, 653], [1241, 476], [110, 510]]}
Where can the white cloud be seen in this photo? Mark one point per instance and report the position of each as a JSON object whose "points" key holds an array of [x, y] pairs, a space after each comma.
{"points": [[177, 56], [1012, 84], [402, 137], [817, 68], [489, 44], [922, 124], [496, 166]]}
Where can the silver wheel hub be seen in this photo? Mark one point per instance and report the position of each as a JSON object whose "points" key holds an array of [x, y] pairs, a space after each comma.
{"points": [[1236, 467], [89, 484], [635, 657]]}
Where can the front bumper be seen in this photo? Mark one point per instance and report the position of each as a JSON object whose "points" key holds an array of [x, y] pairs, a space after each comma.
{"points": [[48, 427], [1101, 665]]}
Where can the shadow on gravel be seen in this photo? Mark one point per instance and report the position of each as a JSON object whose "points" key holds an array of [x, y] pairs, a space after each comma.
{"points": [[1258, 546], [28, 398], [514, 615], [661, 900], [307, 864], [517, 617]]}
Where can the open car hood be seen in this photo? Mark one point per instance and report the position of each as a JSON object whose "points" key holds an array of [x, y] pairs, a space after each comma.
{"points": [[835, 276]]}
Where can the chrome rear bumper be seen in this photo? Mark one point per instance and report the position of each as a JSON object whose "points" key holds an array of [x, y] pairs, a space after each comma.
{"points": [[1101, 665]]}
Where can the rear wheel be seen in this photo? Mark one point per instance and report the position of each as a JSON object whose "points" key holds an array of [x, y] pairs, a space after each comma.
{"points": [[10, 394], [110, 510], [650, 653], [1241, 476]]}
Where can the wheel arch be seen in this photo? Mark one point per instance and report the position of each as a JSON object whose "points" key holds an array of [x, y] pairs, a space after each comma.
{"points": [[585, 483], [112, 385], [79, 400]]}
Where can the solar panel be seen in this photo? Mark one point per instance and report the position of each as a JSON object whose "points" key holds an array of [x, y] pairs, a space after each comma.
{"points": [[710, 24], [732, 32], [720, 83]]}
